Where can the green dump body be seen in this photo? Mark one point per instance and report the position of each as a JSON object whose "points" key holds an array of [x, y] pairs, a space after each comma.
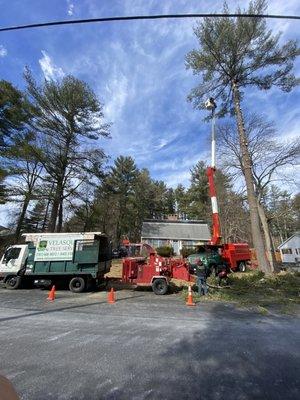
{"points": [[89, 257]]}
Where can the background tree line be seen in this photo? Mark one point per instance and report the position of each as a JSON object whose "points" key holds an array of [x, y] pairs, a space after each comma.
{"points": [[59, 182], [53, 166]]}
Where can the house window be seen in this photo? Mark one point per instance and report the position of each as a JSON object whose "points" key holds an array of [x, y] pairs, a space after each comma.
{"points": [[155, 243], [148, 241], [163, 242], [287, 251], [189, 243]]}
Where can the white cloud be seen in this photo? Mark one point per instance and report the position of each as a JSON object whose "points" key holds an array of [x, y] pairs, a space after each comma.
{"points": [[117, 90], [50, 70], [70, 7], [3, 51], [161, 144], [173, 180]]}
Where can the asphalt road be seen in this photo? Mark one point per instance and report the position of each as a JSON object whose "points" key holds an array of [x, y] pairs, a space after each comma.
{"points": [[144, 347]]}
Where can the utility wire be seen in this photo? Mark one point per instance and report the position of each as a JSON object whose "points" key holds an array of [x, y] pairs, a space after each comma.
{"points": [[145, 17]]}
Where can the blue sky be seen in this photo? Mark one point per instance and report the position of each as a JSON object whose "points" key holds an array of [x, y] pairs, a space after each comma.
{"points": [[137, 70]]}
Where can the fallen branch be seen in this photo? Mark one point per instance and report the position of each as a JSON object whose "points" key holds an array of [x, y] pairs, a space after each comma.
{"points": [[218, 287]]}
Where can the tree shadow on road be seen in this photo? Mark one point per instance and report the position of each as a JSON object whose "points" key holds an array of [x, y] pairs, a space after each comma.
{"points": [[243, 359]]}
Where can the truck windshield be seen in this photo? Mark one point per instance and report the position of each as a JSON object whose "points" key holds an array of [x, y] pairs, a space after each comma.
{"points": [[12, 254]]}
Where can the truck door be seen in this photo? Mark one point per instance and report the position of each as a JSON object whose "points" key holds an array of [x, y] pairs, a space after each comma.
{"points": [[13, 259]]}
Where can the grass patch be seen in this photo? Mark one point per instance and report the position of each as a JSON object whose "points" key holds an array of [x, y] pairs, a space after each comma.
{"points": [[262, 310], [255, 290]]}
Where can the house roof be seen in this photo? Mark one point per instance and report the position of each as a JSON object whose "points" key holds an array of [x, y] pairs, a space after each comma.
{"points": [[183, 230], [287, 240]]}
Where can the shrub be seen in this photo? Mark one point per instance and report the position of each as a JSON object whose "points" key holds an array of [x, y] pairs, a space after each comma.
{"points": [[165, 251], [186, 251]]}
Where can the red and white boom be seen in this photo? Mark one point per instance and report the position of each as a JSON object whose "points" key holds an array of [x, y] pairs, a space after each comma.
{"points": [[216, 227]]}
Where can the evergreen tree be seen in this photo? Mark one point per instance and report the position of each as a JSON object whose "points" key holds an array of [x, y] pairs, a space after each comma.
{"points": [[236, 53], [181, 201], [14, 114], [121, 181], [197, 194], [36, 219], [141, 201], [67, 115]]}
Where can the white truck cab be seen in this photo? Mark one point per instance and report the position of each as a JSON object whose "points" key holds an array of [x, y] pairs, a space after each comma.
{"points": [[13, 260]]}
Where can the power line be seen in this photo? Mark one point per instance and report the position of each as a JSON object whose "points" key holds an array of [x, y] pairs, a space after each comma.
{"points": [[145, 17]]}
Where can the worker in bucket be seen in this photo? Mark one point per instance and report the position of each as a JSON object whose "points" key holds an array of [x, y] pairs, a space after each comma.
{"points": [[201, 272]]}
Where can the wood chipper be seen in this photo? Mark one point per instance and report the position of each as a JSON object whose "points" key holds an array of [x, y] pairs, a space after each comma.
{"points": [[154, 271]]}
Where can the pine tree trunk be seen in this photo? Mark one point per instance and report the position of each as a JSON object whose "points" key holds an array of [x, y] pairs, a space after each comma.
{"points": [[60, 217], [44, 224], [55, 207], [22, 216], [257, 236], [267, 234], [47, 209]]}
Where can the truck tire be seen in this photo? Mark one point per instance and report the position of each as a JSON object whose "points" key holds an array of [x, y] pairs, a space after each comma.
{"points": [[77, 284], [242, 266], [160, 286], [13, 282]]}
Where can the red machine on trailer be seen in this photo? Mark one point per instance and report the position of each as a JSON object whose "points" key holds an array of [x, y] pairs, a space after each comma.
{"points": [[236, 255], [132, 249], [154, 271]]}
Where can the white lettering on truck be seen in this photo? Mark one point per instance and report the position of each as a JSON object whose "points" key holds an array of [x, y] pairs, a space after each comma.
{"points": [[54, 249]]}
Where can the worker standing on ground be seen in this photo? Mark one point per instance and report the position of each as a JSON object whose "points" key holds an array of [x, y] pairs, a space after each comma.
{"points": [[201, 272]]}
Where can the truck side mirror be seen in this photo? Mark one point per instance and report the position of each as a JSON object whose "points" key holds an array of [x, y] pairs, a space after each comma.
{"points": [[7, 259]]}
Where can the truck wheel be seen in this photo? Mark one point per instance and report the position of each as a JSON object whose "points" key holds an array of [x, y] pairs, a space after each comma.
{"points": [[242, 266], [160, 286], [77, 284], [13, 282]]}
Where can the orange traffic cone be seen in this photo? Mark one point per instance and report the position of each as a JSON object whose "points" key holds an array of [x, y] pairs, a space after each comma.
{"points": [[111, 296], [51, 296], [190, 298]]}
